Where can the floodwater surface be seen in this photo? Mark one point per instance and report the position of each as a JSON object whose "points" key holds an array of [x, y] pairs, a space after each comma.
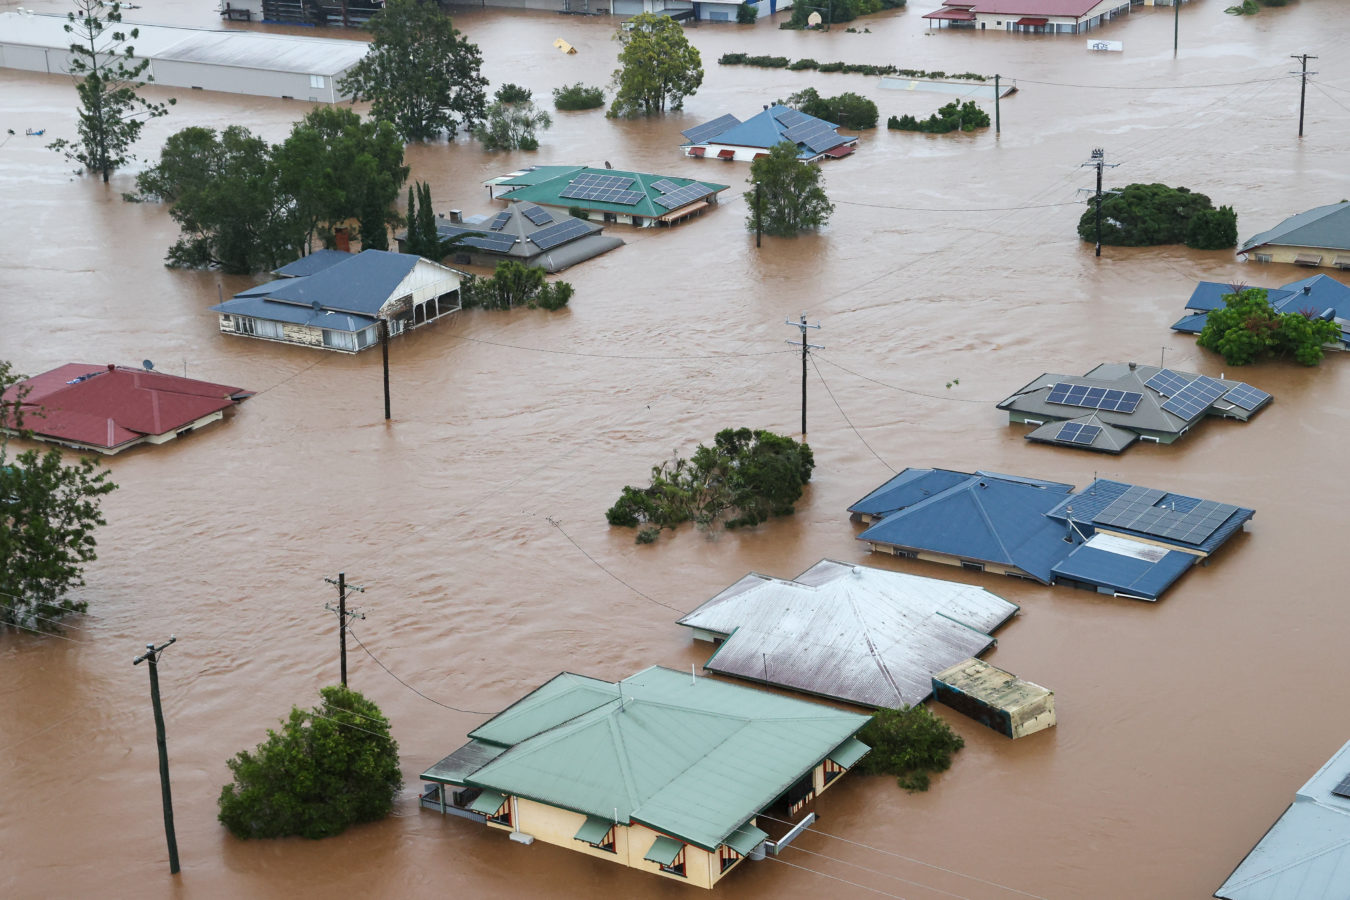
{"points": [[949, 275]]}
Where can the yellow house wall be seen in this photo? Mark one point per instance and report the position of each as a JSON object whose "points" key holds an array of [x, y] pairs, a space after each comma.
{"points": [[1281, 253]]}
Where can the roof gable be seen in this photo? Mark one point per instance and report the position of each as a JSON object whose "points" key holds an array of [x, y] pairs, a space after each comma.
{"points": [[1325, 227]]}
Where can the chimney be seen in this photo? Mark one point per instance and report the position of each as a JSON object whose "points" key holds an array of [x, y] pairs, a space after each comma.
{"points": [[342, 239]]}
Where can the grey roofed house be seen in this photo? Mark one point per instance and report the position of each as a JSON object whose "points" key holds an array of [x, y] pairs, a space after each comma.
{"points": [[847, 632], [1306, 854], [527, 233], [1116, 404], [1299, 238]]}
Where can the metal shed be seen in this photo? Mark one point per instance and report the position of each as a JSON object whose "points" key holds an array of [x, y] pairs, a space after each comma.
{"points": [[995, 698]]}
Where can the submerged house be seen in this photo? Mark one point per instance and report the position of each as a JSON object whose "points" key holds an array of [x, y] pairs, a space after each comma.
{"points": [[628, 198], [1112, 537], [526, 233], [853, 633], [728, 138], [1306, 854], [661, 772], [108, 409], [1116, 404], [338, 300], [1319, 296], [1318, 237], [1029, 16]]}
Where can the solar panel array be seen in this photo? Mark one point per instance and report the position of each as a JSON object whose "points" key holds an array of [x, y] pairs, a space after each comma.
{"points": [[1343, 789], [700, 133], [685, 195], [1137, 510], [495, 242], [1089, 397], [559, 233], [817, 135], [499, 222], [1196, 397], [605, 188], [665, 185], [1246, 397], [1074, 433], [1167, 382], [537, 214], [791, 117]]}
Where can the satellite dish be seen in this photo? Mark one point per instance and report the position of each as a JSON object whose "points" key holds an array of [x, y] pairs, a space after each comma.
{"points": [[149, 366], [813, 20]]}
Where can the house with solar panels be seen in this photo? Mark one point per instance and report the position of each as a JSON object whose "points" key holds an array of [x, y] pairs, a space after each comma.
{"points": [[682, 777], [1318, 237], [526, 233], [338, 300], [1319, 296], [1111, 538], [1117, 404], [626, 198], [1305, 855], [728, 138]]}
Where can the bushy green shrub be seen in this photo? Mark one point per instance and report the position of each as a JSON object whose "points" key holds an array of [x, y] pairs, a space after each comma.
{"points": [[1145, 215], [578, 96], [577, 212], [1248, 329], [831, 67], [732, 59], [804, 63], [909, 743], [955, 115], [1213, 229], [747, 14], [515, 284], [513, 93], [848, 110], [767, 62]]}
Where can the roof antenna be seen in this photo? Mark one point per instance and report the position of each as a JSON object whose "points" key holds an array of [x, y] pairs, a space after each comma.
{"points": [[693, 679]]}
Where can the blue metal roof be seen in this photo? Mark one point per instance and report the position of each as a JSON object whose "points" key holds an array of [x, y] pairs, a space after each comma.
{"points": [[761, 130], [315, 262], [359, 284], [1090, 503], [1125, 574], [262, 308], [1191, 324], [906, 489], [1319, 295]]}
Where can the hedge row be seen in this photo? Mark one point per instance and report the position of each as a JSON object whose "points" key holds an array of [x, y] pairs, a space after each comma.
{"points": [[782, 62]]}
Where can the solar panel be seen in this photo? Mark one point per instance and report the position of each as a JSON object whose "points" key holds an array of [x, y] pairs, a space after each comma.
{"points": [[1246, 397], [1074, 433], [1196, 397], [500, 221], [493, 241], [791, 117], [1343, 789], [1145, 510], [559, 233], [602, 194], [590, 179], [665, 185], [1167, 382], [537, 215], [817, 135], [1089, 397], [684, 196], [708, 130]]}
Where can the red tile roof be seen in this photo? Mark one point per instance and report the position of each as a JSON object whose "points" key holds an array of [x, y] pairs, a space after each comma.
{"points": [[108, 407]]}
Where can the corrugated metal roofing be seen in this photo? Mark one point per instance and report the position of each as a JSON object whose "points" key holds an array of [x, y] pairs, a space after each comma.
{"points": [[314, 262], [853, 633], [692, 758], [1145, 576], [906, 489], [1089, 505], [1109, 439], [762, 130], [546, 184], [1325, 227], [260, 307], [463, 762], [273, 52], [1027, 7], [360, 284], [1306, 854], [588, 243], [1315, 295], [664, 850]]}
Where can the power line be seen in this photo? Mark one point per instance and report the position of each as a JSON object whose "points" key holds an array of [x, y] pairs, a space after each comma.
{"points": [[558, 525], [900, 389], [1322, 89], [349, 725], [956, 209], [1146, 87], [472, 712], [779, 859], [43, 633], [917, 884], [691, 358], [846, 418]]}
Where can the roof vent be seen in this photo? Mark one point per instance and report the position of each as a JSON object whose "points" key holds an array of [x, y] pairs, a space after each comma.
{"points": [[857, 570], [1307, 289], [982, 484], [1134, 365], [112, 367]]}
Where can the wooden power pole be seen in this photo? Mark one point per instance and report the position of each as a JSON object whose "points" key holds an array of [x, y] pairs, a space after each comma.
{"points": [[151, 655]]}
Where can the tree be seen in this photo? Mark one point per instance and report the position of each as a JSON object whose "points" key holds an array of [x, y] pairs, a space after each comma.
{"points": [[421, 74], [746, 14], [1213, 229], [325, 770], [511, 126], [578, 96], [106, 71], [1248, 329], [516, 284], [49, 513], [658, 67], [954, 116], [848, 109], [1144, 215], [786, 197], [909, 743]]}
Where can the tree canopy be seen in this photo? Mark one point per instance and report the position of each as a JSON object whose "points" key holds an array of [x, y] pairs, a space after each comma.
{"points": [[106, 71], [785, 196], [848, 110], [658, 67], [909, 743], [1247, 329], [515, 284], [512, 120], [49, 513], [421, 74], [1144, 215], [953, 116], [326, 769], [741, 480]]}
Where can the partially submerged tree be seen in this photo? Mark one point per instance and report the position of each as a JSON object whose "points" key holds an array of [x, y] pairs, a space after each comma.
{"points": [[578, 96], [1248, 329], [848, 110], [325, 770], [1144, 215], [954, 116], [658, 67], [516, 284], [910, 743], [421, 74], [785, 196], [106, 71], [512, 121], [49, 513]]}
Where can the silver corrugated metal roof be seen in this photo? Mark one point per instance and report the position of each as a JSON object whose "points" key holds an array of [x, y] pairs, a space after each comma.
{"points": [[853, 633], [274, 52]]}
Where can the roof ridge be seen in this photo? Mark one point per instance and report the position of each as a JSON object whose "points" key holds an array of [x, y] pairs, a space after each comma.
{"points": [[872, 648]]}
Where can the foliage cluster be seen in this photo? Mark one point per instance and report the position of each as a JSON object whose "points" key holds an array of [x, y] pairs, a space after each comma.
{"points": [[423, 239], [955, 115], [1143, 215], [515, 284], [658, 67], [785, 197], [848, 110], [325, 770], [741, 480], [511, 121], [1247, 329], [578, 96], [833, 12], [910, 743], [246, 206], [747, 14], [106, 71], [1251, 7], [421, 75], [782, 62], [513, 93]]}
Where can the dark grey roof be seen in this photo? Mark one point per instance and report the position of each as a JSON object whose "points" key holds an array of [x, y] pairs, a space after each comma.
{"points": [[315, 262], [1108, 438], [1326, 227], [588, 242], [359, 284], [262, 308]]}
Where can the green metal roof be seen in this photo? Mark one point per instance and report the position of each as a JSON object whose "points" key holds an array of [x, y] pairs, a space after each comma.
{"points": [[690, 758], [488, 803], [664, 850], [746, 838], [463, 762], [594, 829], [546, 184], [849, 752]]}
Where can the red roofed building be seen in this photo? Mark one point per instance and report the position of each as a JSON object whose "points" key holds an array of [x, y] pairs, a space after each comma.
{"points": [[1037, 16], [110, 408]]}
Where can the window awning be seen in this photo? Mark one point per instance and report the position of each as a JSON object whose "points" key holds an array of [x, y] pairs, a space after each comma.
{"points": [[697, 151], [594, 829], [760, 155], [745, 839], [1308, 259], [840, 152], [1341, 262], [726, 154], [956, 15], [1031, 20], [489, 803], [849, 752], [664, 850], [683, 211]]}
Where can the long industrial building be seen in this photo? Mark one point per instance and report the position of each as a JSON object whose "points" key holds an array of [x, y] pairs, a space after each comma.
{"points": [[238, 62]]}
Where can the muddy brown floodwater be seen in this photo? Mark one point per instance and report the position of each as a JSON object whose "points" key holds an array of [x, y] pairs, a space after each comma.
{"points": [[1185, 726]]}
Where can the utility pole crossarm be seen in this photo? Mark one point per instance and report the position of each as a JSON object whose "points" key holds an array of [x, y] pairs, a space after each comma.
{"points": [[344, 615], [806, 348], [1303, 89], [1099, 163]]}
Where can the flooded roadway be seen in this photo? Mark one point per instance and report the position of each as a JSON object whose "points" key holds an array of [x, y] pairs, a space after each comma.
{"points": [[1185, 726]]}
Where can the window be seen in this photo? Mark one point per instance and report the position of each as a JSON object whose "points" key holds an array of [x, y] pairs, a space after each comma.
{"points": [[243, 325], [905, 554], [676, 866], [972, 566], [727, 857], [339, 340], [801, 793], [832, 770], [606, 842], [1262, 257], [503, 816], [269, 329], [317, 81]]}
